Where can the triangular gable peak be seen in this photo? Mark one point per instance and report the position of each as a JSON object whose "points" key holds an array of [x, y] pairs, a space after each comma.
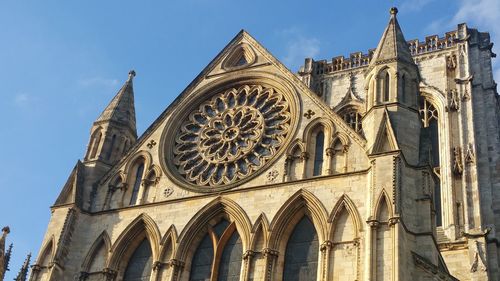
{"points": [[242, 66], [385, 140]]}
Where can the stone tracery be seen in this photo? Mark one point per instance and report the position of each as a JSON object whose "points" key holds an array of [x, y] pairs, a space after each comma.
{"points": [[231, 135]]}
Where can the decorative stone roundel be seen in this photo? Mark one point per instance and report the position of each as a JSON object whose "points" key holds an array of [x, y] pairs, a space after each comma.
{"points": [[230, 136]]}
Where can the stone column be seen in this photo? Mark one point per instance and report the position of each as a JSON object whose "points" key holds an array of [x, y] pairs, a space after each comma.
{"points": [[247, 261], [371, 257], [270, 256], [325, 249]]}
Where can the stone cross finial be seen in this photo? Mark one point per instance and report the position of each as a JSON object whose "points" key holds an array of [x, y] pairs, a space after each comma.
{"points": [[131, 74], [6, 230], [394, 11]]}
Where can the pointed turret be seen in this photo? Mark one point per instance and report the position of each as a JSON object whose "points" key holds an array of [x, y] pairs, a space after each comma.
{"points": [[23, 272], [392, 45], [392, 84], [115, 129], [112, 134]]}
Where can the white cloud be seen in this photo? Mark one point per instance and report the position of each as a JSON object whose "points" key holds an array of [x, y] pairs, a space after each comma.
{"points": [[23, 100], [484, 15], [299, 47], [98, 82]]}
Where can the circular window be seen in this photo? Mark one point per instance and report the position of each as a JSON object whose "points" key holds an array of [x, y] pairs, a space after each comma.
{"points": [[228, 137]]}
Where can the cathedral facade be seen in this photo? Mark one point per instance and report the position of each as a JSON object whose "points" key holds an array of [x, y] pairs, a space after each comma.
{"points": [[379, 166]]}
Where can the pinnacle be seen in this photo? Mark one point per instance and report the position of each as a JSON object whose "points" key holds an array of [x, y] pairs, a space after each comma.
{"points": [[121, 109], [392, 45]]}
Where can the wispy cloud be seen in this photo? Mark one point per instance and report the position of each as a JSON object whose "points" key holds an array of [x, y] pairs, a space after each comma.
{"points": [[97, 82], [414, 5], [24, 100], [298, 47], [481, 14]]}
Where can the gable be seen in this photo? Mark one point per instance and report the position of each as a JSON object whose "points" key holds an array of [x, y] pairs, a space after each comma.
{"points": [[233, 121]]}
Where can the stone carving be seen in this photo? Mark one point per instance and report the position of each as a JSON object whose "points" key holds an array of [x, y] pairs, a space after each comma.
{"points": [[458, 167], [272, 175], [451, 62], [167, 192], [309, 114], [478, 260], [231, 135], [454, 101], [151, 144], [469, 154]]}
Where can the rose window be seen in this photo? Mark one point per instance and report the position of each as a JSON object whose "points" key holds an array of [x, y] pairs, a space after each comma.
{"points": [[230, 136]]}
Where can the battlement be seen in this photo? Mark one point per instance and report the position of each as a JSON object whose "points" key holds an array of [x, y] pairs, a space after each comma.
{"points": [[359, 59]]}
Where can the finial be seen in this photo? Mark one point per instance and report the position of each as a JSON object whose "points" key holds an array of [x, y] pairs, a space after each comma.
{"points": [[394, 11], [6, 230], [131, 74]]}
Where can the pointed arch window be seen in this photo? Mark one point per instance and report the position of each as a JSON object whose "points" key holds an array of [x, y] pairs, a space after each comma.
{"points": [[353, 118], [430, 143], [137, 183], [403, 88], [111, 147], [219, 254], [301, 255], [383, 94], [319, 148], [139, 265], [96, 140], [386, 87]]}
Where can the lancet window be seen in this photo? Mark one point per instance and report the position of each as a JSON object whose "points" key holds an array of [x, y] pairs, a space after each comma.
{"points": [[139, 265], [219, 254], [137, 183], [319, 148], [301, 256], [430, 143]]}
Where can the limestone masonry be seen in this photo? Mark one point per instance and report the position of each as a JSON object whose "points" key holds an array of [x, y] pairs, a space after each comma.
{"points": [[378, 166]]}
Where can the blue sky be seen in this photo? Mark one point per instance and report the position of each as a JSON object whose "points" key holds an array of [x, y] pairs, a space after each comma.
{"points": [[63, 61]]}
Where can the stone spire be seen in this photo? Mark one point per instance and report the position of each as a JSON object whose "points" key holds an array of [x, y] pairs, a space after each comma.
{"points": [[4, 258], [121, 109], [23, 273], [392, 45]]}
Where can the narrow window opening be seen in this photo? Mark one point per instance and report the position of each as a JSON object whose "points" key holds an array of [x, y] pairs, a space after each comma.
{"points": [[111, 147], [95, 145], [137, 183], [318, 153], [386, 87]]}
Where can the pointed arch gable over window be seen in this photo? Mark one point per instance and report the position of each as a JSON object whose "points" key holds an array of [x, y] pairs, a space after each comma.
{"points": [[302, 204], [142, 227]]}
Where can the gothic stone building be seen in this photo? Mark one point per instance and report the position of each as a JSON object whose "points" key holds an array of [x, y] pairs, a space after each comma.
{"points": [[380, 166]]}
